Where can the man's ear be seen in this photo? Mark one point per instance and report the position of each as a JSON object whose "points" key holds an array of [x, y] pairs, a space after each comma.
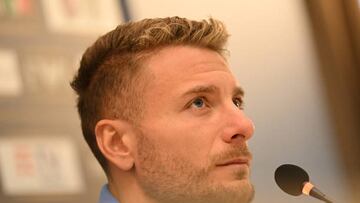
{"points": [[116, 142]]}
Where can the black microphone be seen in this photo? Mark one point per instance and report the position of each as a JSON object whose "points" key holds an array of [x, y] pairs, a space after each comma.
{"points": [[295, 181]]}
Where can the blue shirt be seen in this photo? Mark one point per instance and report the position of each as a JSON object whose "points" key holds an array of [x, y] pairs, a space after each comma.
{"points": [[106, 196]]}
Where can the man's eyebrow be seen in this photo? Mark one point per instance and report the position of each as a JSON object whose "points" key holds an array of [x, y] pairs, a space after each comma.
{"points": [[238, 91], [201, 89], [211, 89]]}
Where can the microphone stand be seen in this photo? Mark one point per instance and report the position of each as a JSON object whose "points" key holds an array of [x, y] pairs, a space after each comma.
{"points": [[314, 192]]}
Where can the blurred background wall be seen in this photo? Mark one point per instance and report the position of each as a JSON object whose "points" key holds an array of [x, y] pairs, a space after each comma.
{"points": [[273, 54]]}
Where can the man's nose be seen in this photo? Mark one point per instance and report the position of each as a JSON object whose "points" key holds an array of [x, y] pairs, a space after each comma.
{"points": [[238, 127]]}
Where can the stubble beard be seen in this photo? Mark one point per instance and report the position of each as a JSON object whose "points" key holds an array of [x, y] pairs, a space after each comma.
{"points": [[168, 178]]}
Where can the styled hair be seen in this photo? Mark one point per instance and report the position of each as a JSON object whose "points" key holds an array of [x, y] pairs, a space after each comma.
{"points": [[109, 83]]}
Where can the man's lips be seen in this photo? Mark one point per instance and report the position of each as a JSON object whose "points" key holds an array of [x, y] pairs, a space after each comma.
{"points": [[236, 161]]}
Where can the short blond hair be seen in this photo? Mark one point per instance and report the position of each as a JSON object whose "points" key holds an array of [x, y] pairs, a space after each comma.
{"points": [[107, 80]]}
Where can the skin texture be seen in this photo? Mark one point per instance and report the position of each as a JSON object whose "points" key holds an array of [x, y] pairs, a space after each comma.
{"points": [[191, 144]]}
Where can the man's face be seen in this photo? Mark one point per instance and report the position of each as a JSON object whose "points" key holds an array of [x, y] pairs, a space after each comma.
{"points": [[192, 140]]}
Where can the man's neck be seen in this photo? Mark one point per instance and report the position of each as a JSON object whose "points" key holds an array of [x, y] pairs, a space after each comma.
{"points": [[127, 190]]}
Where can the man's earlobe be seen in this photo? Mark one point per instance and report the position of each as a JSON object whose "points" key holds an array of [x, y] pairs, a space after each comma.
{"points": [[114, 140]]}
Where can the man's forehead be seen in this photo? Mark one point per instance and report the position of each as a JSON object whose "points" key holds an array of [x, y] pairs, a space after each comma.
{"points": [[184, 61], [185, 67]]}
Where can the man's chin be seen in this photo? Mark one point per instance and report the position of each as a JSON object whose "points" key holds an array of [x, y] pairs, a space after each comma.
{"points": [[233, 191], [241, 189], [243, 192]]}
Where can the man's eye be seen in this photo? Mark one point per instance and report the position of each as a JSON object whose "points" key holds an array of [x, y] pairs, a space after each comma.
{"points": [[238, 103], [198, 103]]}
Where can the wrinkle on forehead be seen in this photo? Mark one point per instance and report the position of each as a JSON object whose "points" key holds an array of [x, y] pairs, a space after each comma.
{"points": [[186, 59]]}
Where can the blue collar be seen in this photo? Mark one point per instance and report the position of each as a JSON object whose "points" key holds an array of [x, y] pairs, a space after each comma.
{"points": [[106, 196]]}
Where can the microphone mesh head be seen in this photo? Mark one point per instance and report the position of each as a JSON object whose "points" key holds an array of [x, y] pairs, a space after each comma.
{"points": [[291, 178]]}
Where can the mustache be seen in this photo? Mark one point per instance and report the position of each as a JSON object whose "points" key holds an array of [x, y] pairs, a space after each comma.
{"points": [[232, 153]]}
